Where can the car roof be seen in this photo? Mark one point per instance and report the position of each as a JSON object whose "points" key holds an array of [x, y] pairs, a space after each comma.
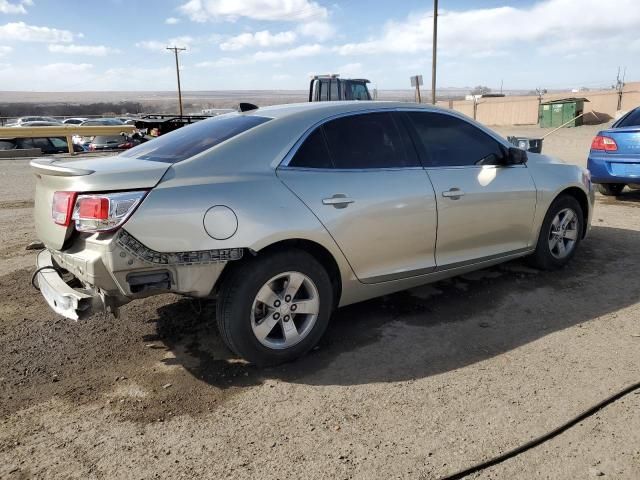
{"points": [[320, 110]]}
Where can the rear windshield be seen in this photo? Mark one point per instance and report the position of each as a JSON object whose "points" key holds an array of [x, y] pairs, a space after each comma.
{"points": [[631, 120], [188, 141]]}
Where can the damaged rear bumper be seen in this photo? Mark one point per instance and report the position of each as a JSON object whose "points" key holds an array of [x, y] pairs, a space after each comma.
{"points": [[114, 269], [67, 301]]}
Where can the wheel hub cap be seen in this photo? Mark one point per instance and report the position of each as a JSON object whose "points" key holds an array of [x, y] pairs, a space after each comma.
{"points": [[563, 234], [285, 310]]}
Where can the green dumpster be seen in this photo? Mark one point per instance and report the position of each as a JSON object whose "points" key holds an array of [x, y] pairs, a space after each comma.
{"points": [[555, 113]]}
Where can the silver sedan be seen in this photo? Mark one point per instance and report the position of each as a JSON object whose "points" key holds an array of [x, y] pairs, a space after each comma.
{"points": [[285, 213]]}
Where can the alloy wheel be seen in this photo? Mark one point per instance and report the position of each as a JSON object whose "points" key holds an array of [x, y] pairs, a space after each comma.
{"points": [[285, 310], [563, 233]]}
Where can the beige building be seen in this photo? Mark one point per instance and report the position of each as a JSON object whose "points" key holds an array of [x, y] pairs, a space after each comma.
{"points": [[523, 110]]}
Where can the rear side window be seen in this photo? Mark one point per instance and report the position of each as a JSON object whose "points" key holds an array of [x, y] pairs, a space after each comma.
{"points": [[631, 120], [188, 141], [334, 90], [6, 145], [451, 142], [370, 140], [355, 91], [313, 153]]}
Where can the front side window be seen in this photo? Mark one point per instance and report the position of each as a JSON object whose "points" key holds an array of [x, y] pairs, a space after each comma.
{"points": [[58, 142], [370, 140], [450, 141], [188, 141]]}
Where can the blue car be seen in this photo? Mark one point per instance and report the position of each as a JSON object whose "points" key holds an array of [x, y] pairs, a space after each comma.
{"points": [[614, 159]]}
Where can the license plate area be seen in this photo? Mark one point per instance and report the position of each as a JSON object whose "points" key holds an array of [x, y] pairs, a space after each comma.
{"points": [[625, 169]]}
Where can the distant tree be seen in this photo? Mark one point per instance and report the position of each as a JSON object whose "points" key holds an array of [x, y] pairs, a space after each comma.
{"points": [[480, 90]]}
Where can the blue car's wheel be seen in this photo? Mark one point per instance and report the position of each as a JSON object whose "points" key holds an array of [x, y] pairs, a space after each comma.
{"points": [[610, 189]]}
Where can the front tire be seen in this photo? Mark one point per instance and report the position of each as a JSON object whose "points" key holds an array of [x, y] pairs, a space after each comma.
{"points": [[611, 189], [275, 308], [560, 234]]}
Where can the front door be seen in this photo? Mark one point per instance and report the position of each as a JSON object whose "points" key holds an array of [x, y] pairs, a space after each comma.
{"points": [[360, 176], [484, 210]]}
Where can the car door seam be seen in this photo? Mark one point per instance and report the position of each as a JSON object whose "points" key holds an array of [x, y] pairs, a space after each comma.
{"points": [[321, 223]]}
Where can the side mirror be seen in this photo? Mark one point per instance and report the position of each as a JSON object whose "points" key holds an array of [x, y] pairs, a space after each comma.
{"points": [[516, 156]]}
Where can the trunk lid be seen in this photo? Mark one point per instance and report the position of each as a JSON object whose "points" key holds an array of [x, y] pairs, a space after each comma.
{"points": [[627, 139], [102, 174]]}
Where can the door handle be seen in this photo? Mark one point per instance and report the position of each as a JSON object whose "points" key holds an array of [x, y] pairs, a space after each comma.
{"points": [[453, 193], [339, 200]]}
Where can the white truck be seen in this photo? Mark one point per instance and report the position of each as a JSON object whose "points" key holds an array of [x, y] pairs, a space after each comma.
{"points": [[325, 88]]}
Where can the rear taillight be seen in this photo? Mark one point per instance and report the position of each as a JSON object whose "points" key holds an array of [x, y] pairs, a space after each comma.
{"points": [[105, 211], [93, 207], [125, 145], [601, 142], [62, 207]]}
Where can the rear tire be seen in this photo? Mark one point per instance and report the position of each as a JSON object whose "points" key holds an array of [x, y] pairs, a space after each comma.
{"points": [[611, 189], [275, 308], [560, 234]]}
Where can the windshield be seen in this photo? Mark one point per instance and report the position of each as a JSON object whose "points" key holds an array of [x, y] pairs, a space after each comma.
{"points": [[631, 120], [189, 141]]}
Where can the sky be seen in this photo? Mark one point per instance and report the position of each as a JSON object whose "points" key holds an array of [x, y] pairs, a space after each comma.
{"points": [[95, 45]]}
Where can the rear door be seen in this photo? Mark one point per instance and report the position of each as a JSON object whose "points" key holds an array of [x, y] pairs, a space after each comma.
{"points": [[484, 210], [360, 176]]}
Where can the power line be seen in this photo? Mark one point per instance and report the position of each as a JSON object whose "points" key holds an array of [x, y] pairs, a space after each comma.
{"points": [[175, 52]]}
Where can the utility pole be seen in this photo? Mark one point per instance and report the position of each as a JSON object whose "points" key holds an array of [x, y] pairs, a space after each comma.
{"points": [[175, 52], [435, 51]]}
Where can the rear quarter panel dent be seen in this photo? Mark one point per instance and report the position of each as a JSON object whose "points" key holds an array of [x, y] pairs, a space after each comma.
{"points": [[171, 217]]}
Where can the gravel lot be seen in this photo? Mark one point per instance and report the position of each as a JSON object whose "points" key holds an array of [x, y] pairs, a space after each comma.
{"points": [[414, 385]]}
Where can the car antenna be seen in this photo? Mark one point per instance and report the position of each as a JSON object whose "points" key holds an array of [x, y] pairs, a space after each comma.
{"points": [[245, 107]]}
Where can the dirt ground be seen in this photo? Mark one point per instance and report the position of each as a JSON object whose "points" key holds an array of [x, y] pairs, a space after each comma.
{"points": [[414, 385]]}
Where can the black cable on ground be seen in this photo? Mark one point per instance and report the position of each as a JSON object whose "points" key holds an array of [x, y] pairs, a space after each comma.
{"points": [[33, 277], [543, 438]]}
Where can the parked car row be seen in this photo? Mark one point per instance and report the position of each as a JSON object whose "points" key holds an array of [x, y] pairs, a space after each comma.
{"points": [[48, 146], [53, 145]]}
